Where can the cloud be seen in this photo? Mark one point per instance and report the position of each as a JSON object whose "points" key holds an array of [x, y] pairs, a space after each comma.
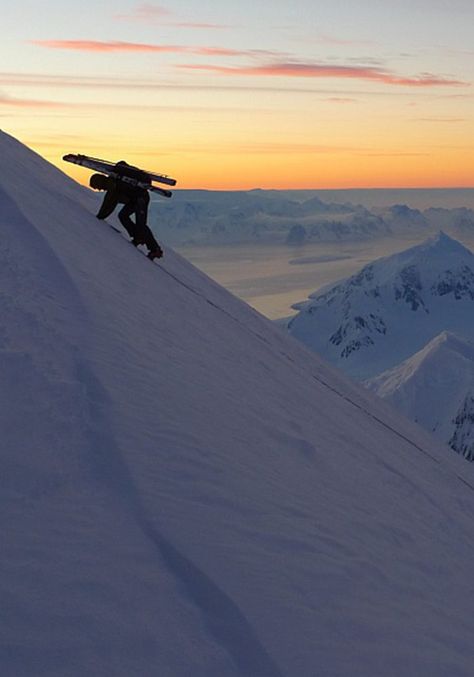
{"points": [[151, 13], [341, 99], [110, 46], [223, 51], [145, 12], [371, 71], [298, 149], [318, 70], [282, 148], [333, 40], [120, 46], [190, 24], [389, 153], [6, 100], [449, 120], [303, 87], [85, 106]]}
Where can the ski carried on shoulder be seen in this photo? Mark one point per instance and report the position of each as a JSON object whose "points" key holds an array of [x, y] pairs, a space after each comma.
{"points": [[124, 172]]}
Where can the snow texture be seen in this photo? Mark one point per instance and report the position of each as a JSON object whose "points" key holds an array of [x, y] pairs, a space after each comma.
{"points": [[187, 491]]}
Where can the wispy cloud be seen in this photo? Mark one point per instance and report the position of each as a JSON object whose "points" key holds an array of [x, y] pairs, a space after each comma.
{"points": [[12, 102], [279, 67], [121, 46], [110, 46], [325, 39], [282, 148], [319, 70], [151, 14], [446, 120], [145, 12], [390, 153], [341, 99], [307, 88], [466, 95], [84, 106], [191, 24]]}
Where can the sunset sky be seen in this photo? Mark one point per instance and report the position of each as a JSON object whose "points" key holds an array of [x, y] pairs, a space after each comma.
{"points": [[301, 94]]}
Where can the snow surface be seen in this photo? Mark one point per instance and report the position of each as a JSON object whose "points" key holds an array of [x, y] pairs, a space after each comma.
{"points": [[391, 308], [187, 491]]}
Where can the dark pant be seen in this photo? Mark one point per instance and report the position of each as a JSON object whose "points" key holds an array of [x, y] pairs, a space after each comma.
{"points": [[138, 229]]}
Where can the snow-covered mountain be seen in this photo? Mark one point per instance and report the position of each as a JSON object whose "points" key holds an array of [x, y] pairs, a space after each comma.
{"points": [[402, 219], [185, 490], [435, 388], [391, 308]]}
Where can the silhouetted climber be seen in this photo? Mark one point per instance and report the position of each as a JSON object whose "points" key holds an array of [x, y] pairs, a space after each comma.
{"points": [[135, 201]]}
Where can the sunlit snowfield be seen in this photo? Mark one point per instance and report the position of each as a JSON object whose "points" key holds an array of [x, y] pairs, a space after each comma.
{"points": [[273, 277]]}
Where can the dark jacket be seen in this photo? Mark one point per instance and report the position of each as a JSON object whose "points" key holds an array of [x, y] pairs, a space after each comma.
{"points": [[120, 192]]}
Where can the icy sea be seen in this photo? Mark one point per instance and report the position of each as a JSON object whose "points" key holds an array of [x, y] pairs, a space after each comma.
{"points": [[271, 278]]}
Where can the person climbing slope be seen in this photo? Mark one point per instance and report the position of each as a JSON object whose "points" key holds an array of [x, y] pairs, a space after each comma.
{"points": [[135, 202]]}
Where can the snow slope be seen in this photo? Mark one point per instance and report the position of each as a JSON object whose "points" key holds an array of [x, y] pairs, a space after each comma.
{"points": [[391, 308], [433, 388], [187, 491]]}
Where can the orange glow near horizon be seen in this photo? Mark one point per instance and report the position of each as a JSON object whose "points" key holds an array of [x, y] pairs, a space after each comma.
{"points": [[357, 175], [229, 171]]}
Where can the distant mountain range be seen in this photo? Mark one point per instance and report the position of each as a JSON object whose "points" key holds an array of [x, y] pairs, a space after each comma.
{"points": [[298, 217], [404, 324]]}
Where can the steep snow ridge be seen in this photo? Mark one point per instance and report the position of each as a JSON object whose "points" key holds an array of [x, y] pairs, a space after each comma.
{"points": [[443, 347], [391, 308], [185, 490], [433, 386]]}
